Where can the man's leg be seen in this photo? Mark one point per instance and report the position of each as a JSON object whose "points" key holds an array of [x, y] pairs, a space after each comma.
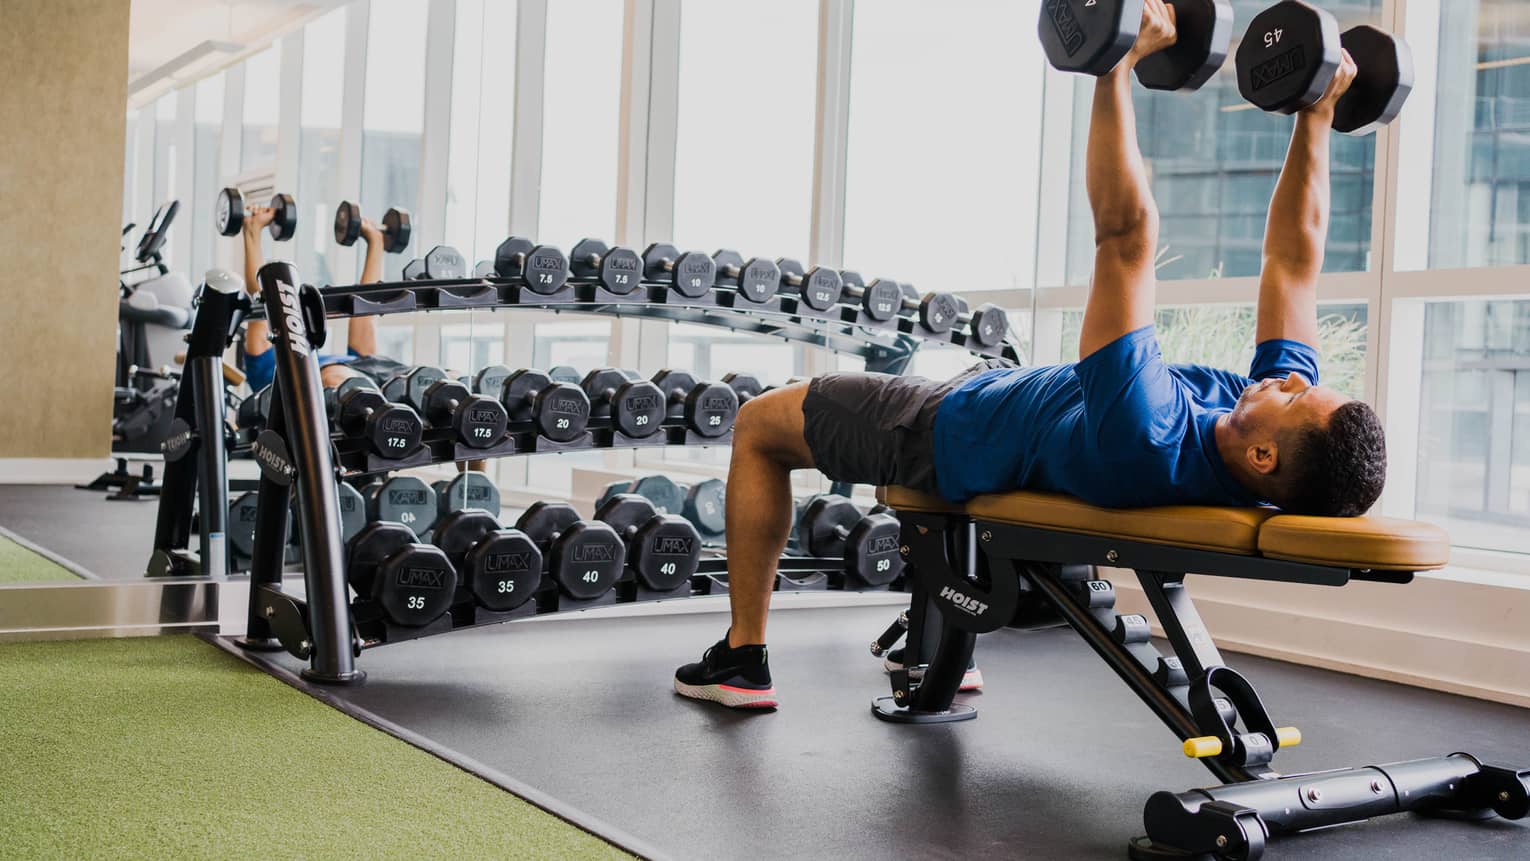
{"points": [[768, 443]]}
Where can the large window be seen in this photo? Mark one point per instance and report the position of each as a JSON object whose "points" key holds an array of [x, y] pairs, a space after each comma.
{"points": [[1214, 160], [207, 137], [1222, 336], [1474, 422], [581, 117], [1480, 208], [477, 193], [944, 142], [318, 190], [744, 152], [164, 155], [394, 112], [709, 354], [262, 98]]}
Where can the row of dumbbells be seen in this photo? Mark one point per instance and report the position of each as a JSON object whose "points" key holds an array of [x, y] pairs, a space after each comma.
{"points": [[403, 499], [472, 561], [479, 411], [545, 270], [825, 526]]}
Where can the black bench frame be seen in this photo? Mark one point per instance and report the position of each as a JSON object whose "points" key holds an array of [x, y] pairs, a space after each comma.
{"points": [[969, 576]]}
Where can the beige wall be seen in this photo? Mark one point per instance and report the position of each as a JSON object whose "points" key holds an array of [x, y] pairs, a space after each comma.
{"points": [[64, 97]]}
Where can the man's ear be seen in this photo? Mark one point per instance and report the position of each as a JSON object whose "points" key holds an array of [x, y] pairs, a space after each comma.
{"points": [[1263, 457]]}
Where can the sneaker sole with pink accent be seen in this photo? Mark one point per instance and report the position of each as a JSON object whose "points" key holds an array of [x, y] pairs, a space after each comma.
{"points": [[730, 696]]}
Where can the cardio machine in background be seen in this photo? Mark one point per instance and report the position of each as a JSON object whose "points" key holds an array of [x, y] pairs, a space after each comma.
{"points": [[154, 312]]}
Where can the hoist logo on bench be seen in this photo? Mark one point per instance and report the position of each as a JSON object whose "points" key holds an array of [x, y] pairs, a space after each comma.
{"points": [[966, 602], [292, 319]]}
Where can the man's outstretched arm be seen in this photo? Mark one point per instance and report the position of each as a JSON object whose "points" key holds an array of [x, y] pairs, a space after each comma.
{"points": [[1121, 297], [1297, 229]]}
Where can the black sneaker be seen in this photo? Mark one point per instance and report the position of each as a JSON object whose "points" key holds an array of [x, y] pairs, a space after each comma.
{"points": [[972, 681], [737, 678]]}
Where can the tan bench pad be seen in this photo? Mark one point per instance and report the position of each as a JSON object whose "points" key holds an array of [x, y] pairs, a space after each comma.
{"points": [[1382, 543]]}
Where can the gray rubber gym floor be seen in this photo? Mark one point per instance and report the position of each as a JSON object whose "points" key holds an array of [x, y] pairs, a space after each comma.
{"points": [[1057, 765], [111, 540]]}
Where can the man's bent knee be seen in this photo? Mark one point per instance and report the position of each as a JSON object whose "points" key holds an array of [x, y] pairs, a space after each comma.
{"points": [[772, 424]]}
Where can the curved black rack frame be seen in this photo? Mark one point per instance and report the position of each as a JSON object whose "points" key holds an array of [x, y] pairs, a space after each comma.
{"points": [[886, 346]]}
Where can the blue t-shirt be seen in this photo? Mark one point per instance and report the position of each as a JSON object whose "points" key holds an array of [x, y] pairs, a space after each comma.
{"points": [[1120, 429], [260, 370]]}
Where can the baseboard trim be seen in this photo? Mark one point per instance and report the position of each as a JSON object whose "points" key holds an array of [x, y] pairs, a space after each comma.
{"points": [[1462, 638], [52, 470]]}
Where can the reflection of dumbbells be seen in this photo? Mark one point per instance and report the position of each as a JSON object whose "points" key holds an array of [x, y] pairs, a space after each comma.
{"points": [[619, 270], [583, 558], [706, 506], [661, 490], [229, 213], [241, 519], [559, 411], [409, 386], [396, 226], [756, 280], [635, 408], [663, 550], [1292, 51], [539, 268], [490, 380], [478, 421], [707, 409], [390, 430], [412, 584], [442, 263], [468, 489], [402, 499], [832, 527], [564, 374], [819, 288], [501, 568], [691, 274]]}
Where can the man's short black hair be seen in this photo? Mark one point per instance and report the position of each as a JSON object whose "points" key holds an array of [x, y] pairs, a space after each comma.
{"points": [[1334, 471]]}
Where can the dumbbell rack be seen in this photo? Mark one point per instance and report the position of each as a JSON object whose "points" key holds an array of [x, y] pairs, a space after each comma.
{"points": [[296, 452]]}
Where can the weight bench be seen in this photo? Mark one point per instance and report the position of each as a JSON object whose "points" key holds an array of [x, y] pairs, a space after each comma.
{"points": [[971, 568]]}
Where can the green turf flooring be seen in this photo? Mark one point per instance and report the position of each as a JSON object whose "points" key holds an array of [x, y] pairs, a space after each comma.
{"points": [[20, 565], [165, 747]]}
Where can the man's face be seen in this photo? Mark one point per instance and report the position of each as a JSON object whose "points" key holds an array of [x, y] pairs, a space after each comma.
{"points": [[1275, 404]]}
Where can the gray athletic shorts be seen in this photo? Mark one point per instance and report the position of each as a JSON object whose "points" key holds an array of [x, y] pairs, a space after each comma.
{"points": [[878, 429]]}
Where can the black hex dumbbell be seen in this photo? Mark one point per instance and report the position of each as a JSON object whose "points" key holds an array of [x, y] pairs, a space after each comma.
{"points": [[1292, 51], [229, 213], [559, 411], [405, 499], [411, 583], [408, 387], [467, 489], [396, 226], [880, 301], [663, 550], [691, 274], [442, 263], [757, 280], [635, 408], [619, 270], [746, 386], [707, 409], [390, 430], [490, 380], [833, 528], [583, 558], [501, 568], [478, 421], [819, 289], [542, 269]]}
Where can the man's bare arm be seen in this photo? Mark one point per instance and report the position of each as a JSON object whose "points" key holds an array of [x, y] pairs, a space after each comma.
{"points": [[1297, 229], [1121, 296], [361, 333], [255, 340]]}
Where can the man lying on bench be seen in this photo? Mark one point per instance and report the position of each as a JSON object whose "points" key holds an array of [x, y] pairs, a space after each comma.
{"points": [[1119, 428]]}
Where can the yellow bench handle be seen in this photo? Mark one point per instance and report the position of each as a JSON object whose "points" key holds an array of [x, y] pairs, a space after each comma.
{"points": [[1205, 746]]}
